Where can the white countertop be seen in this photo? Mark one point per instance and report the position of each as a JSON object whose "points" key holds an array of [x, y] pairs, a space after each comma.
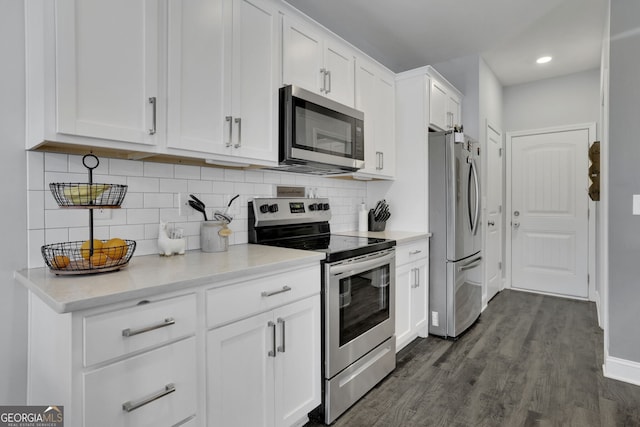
{"points": [[153, 274], [399, 236]]}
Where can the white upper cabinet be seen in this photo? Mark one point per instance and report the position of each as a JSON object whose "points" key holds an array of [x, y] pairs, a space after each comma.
{"points": [[107, 69], [222, 79], [195, 76], [444, 103], [316, 62], [375, 96]]}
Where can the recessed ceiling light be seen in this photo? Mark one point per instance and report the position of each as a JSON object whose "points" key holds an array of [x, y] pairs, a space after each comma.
{"points": [[543, 59]]}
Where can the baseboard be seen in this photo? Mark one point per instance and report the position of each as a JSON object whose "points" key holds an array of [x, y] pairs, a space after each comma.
{"points": [[621, 370], [598, 310]]}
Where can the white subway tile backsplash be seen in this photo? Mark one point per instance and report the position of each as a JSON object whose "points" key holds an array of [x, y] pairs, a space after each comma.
{"points": [[54, 162], [186, 172], [128, 232], [36, 240], [143, 185], [153, 196], [76, 165], [143, 216], [35, 209], [58, 218], [211, 174], [234, 175], [35, 171], [158, 170], [158, 200], [133, 201], [174, 185], [126, 167], [197, 186]]}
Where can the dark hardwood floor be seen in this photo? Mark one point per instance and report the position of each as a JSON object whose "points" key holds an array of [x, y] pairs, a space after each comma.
{"points": [[530, 360]]}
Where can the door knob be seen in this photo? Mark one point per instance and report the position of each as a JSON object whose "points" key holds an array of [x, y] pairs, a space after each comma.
{"points": [[491, 223], [516, 213], [516, 224]]}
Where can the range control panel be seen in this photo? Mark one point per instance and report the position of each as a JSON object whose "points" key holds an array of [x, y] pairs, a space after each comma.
{"points": [[274, 211]]}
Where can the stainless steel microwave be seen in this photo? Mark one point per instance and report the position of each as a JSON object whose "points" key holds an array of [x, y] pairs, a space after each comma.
{"points": [[318, 135]]}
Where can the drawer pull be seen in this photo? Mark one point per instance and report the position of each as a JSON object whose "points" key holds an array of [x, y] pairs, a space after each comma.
{"points": [[131, 332], [415, 252], [132, 406], [268, 294]]}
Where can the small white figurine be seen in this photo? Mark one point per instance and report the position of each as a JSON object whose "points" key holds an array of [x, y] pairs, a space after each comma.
{"points": [[166, 245]]}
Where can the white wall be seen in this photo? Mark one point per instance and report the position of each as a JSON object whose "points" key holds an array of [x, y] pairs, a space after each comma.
{"points": [[558, 101], [13, 175]]}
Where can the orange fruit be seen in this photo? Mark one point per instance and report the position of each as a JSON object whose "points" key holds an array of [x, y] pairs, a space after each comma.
{"points": [[115, 248], [98, 259], [85, 248], [61, 261]]}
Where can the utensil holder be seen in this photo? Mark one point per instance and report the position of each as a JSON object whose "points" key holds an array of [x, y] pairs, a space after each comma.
{"points": [[210, 238], [375, 225]]}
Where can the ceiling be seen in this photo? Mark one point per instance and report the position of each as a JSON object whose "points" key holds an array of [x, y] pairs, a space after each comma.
{"points": [[508, 34]]}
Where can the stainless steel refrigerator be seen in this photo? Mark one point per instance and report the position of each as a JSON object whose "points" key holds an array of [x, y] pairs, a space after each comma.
{"points": [[455, 269]]}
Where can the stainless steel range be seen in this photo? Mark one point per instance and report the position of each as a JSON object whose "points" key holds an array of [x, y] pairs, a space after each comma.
{"points": [[358, 295]]}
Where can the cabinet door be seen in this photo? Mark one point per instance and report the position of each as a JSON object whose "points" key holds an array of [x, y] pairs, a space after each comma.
{"points": [[454, 110], [255, 79], [240, 373], [339, 64], [302, 58], [438, 105], [366, 101], [297, 381], [375, 96], [419, 298], [385, 125], [196, 110], [404, 282], [107, 69]]}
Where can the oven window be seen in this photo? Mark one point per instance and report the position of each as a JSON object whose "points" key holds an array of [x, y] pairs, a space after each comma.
{"points": [[364, 302], [321, 130]]}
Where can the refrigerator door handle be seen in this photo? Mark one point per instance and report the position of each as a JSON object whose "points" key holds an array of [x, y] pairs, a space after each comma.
{"points": [[474, 263], [473, 173]]}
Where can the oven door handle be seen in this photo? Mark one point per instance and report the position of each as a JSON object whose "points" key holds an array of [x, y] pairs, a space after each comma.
{"points": [[359, 266]]}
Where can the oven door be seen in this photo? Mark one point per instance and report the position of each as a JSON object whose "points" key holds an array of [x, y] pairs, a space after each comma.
{"points": [[359, 307]]}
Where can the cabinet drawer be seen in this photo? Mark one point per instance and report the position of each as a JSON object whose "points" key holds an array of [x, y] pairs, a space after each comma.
{"points": [[411, 251], [152, 389], [241, 300], [120, 332]]}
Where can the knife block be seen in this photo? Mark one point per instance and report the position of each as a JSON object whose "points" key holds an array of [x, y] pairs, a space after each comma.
{"points": [[375, 225]]}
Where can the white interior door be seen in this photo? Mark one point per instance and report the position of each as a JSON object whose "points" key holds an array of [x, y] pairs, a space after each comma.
{"points": [[549, 212], [493, 197]]}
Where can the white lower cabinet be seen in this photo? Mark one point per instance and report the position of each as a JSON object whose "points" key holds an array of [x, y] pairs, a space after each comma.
{"points": [[152, 389], [265, 370], [412, 292]]}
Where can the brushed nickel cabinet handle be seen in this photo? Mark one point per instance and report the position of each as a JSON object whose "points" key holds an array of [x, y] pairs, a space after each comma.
{"points": [[323, 73], [328, 74], [271, 293], [281, 348], [272, 352], [415, 252], [131, 332], [229, 120], [238, 120], [132, 405], [152, 101]]}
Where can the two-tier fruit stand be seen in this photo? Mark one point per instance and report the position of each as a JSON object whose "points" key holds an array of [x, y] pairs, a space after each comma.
{"points": [[81, 257]]}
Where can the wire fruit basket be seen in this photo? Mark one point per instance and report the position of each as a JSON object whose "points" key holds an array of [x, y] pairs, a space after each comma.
{"points": [[83, 195], [77, 257], [89, 256]]}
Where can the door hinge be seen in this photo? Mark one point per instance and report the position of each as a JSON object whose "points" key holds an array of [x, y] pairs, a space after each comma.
{"points": [[500, 266], [588, 213], [499, 208], [588, 279], [499, 152]]}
